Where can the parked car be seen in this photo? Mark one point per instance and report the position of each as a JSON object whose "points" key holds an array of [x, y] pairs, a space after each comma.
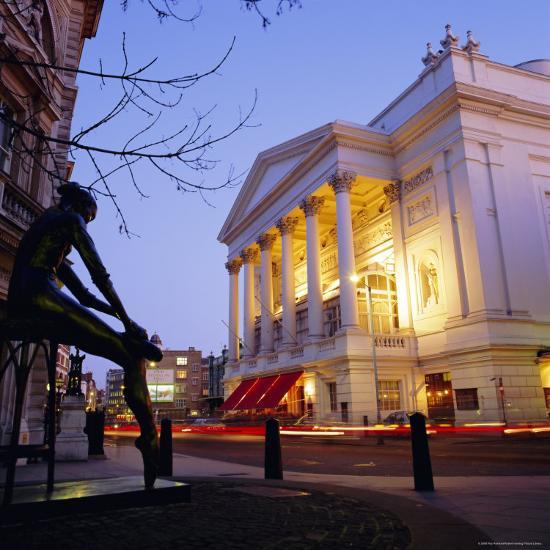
{"points": [[397, 417]]}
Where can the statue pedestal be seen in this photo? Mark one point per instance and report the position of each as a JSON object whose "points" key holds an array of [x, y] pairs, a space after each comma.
{"points": [[72, 443]]}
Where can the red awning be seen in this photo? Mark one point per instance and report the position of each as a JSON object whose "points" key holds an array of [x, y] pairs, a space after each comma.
{"points": [[232, 402], [256, 392], [277, 390]]}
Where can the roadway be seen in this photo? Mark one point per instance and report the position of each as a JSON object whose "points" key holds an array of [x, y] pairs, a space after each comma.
{"points": [[362, 456]]}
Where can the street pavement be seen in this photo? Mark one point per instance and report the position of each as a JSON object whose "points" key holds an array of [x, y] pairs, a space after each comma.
{"points": [[511, 510]]}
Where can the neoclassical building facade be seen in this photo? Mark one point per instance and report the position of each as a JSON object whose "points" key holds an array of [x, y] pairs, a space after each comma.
{"points": [[405, 261]]}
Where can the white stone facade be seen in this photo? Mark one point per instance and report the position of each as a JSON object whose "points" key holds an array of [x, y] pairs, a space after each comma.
{"points": [[441, 204]]}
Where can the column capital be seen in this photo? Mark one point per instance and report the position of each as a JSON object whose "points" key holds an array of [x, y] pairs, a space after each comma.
{"points": [[311, 205], [287, 224], [393, 191], [249, 254], [265, 241], [342, 181], [233, 266]]}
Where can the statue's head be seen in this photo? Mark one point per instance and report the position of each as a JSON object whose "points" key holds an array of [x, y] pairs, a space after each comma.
{"points": [[80, 200]]}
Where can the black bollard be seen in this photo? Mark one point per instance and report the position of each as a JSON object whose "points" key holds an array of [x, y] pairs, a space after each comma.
{"points": [[422, 466], [165, 462], [95, 426], [273, 462]]}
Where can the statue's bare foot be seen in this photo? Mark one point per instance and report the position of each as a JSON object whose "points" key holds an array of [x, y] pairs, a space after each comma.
{"points": [[149, 448]]}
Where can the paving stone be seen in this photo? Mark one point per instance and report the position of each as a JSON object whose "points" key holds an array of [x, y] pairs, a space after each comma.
{"points": [[218, 518]]}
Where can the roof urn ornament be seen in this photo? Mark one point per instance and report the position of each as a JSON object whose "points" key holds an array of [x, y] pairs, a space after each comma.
{"points": [[430, 58], [450, 39], [472, 45]]}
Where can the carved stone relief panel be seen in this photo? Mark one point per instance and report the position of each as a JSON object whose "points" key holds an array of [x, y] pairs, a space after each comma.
{"points": [[421, 209], [374, 237]]}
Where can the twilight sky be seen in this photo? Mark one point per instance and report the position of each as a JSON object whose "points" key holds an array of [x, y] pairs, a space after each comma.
{"points": [[332, 59]]}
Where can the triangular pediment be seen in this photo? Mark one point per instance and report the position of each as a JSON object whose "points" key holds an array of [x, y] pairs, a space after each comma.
{"points": [[269, 168]]}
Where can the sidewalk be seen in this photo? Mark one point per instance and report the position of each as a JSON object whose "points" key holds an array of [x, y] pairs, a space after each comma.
{"points": [[506, 509]]}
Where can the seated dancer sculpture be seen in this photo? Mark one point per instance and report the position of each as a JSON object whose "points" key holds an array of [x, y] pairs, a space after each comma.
{"points": [[35, 296]]}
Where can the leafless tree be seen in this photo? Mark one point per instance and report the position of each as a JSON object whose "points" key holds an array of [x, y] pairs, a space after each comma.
{"points": [[141, 93]]}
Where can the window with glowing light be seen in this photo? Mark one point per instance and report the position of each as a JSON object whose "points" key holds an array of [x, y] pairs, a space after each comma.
{"points": [[547, 397], [389, 395], [181, 374], [181, 361]]}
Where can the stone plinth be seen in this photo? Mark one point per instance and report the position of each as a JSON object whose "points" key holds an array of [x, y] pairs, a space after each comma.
{"points": [[72, 443]]}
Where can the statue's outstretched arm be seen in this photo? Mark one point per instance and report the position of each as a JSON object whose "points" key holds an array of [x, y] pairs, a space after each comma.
{"points": [[70, 279], [86, 248]]}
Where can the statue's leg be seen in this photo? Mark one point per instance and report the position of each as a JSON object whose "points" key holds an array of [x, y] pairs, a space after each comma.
{"points": [[67, 321], [137, 396]]}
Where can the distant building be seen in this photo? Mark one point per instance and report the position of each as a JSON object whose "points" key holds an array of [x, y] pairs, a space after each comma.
{"points": [[89, 389], [178, 384], [402, 264], [100, 400], [216, 371], [62, 366], [116, 409]]}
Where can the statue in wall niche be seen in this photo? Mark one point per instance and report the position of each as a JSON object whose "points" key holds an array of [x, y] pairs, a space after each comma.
{"points": [[35, 296], [432, 298]]}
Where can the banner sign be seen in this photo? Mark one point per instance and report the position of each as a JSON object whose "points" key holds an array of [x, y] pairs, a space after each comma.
{"points": [[161, 393], [160, 376]]}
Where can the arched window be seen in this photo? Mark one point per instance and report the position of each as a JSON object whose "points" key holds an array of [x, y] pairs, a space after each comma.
{"points": [[384, 302]]}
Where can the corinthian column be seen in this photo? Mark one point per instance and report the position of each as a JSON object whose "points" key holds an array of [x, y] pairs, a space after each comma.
{"points": [[233, 267], [311, 206], [265, 242], [286, 227], [341, 183], [249, 256]]}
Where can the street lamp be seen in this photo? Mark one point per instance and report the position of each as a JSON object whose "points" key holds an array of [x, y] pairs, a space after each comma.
{"points": [[355, 278]]}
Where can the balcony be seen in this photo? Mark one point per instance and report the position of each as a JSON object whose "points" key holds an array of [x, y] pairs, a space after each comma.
{"points": [[340, 346], [18, 207]]}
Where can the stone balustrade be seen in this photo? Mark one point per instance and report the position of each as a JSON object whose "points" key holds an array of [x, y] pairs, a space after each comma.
{"points": [[18, 207]]}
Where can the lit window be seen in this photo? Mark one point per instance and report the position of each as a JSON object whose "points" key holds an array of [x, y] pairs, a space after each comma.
{"points": [[205, 392], [181, 361], [181, 374], [466, 399], [389, 395]]}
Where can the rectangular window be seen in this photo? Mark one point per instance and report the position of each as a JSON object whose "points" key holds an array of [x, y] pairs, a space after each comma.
{"points": [[5, 137], [181, 388], [195, 368], [205, 392], [180, 403], [466, 399], [205, 377], [181, 361], [547, 397], [194, 396], [181, 374], [332, 396], [195, 381], [389, 395]]}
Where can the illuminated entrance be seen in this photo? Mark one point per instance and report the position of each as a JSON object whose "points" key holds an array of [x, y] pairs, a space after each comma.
{"points": [[439, 394]]}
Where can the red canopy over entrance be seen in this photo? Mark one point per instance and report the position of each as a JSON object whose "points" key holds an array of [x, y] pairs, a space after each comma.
{"points": [[232, 402], [260, 393]]}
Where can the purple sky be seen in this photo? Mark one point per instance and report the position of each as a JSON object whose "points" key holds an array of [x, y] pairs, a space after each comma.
{"points": [[344, 59]]}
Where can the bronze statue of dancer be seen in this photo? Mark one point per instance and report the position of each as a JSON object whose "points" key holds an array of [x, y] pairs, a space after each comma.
{"points": [[35, 295]]}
